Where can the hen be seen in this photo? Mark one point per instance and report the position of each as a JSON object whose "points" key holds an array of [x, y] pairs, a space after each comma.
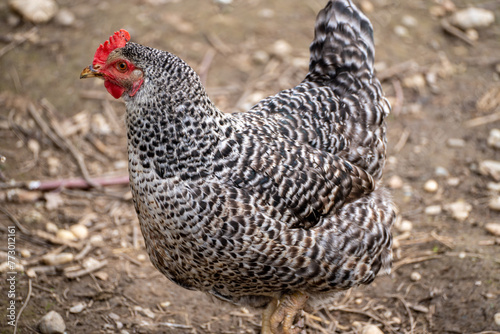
{"points": [[275, 208]]}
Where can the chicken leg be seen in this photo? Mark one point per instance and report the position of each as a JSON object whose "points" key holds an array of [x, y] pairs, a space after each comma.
{"points": [[279, 316]]}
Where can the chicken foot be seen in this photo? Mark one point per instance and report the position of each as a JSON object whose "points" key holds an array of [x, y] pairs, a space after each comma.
{"points": [[279, 316]]}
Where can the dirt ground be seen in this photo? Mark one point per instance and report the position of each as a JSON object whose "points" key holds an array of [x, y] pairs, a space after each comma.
{"points": [[446, 98]]}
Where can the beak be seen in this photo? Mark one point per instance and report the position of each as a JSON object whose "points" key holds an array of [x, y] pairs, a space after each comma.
{"points": [[90, 72]]}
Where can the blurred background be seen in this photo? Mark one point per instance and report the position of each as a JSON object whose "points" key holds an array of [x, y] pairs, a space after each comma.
{"points": [[81, 263]]}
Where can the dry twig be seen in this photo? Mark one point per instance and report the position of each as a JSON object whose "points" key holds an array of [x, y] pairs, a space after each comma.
{"points": [[62, 142], [402, 140], [218, 44], [397, 70], [407, 308], [404, 262], [77, 183], [83, 272], [15, 221], [482, 120], [448, 242], [24, 306], [205, 65], [84, 251], [455, 32], [12, 45], [398, 106], [51, 238], [366, 314]]}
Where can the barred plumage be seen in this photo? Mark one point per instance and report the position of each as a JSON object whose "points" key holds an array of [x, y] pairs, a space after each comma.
{"points": [[282, 199]]}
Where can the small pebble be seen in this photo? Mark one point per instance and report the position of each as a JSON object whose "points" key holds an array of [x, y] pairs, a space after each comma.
{"points": [[459, 210], [489, 295], [282, 49], [431, 186], [266, 13], [491, 168], [36, 11], [260, 57], [65, 18], [437, 11], [432, 78], [461, 255], [366, 6], [416, 81], [114, 316], [356, 324], [433, 210], [90, 262], [396, 320], [405, 226], [456, 143], [145, 311], [141, 257], [494, 138], [395, 182], [102, 275], [493, 228], [471, 18], [77, 308], [453, 181], [420, 308], [52, 323], [441, 171], [401, 31], [407, 192], [25, 253], [96, 240], [56, 259], [79, 231], [494, 203], [7, 266], [54, 165], [65, 235], [371, 329], [120, 164], [51, 228], [415, 277], [392, 160], [31, 273], [409, 21], [165, 304], [33, 217], [496, 317], [100, 125], [494, 186], [472, 34]]}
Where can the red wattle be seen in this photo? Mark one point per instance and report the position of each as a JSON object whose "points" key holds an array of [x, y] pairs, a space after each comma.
{"points": [[113, 89]]}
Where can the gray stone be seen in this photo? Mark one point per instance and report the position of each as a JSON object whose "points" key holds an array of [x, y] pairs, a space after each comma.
{"points": [[52, 323]]}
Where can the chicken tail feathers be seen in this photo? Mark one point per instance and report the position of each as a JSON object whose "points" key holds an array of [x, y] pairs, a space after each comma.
{"points": [[343, 42]]}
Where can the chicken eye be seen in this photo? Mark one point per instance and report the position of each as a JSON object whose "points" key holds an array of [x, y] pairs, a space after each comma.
{"points": [[122, 66]]}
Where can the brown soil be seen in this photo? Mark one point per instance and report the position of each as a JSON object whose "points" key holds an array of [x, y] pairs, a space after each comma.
{"points": [[459, 263]]}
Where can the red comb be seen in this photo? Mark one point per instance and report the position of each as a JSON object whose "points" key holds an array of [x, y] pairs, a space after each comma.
{"points": [[118, 40]]}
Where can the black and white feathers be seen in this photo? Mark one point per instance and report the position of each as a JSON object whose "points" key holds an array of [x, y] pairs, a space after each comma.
{"points": [[282, 198]]}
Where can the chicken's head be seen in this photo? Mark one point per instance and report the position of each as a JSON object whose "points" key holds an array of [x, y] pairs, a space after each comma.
{"points": [[119, 73]]}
